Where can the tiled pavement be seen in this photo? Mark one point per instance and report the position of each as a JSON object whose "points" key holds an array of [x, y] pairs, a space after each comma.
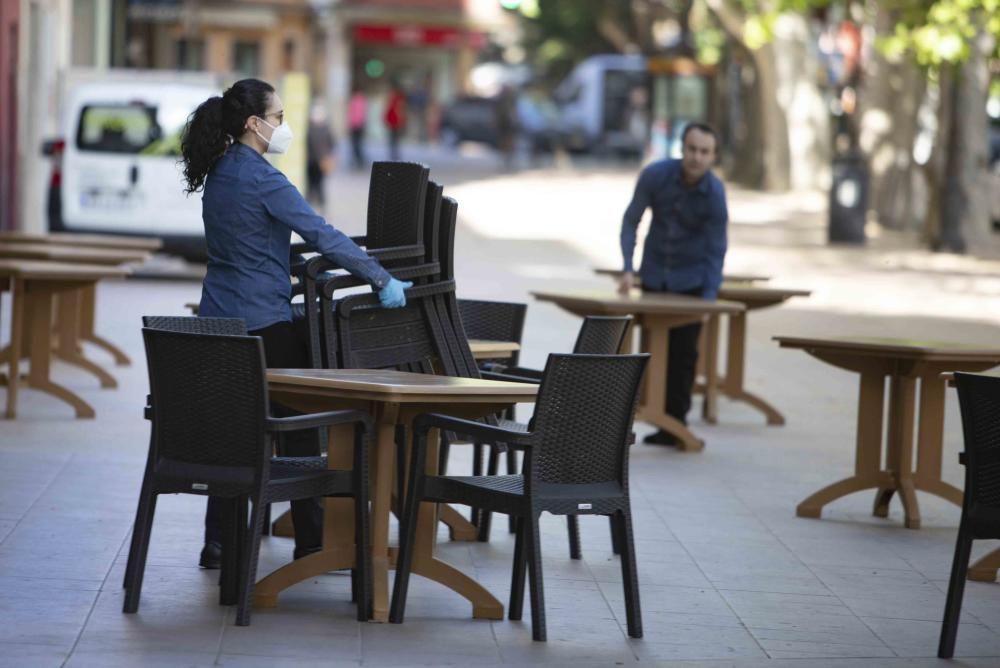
{"points": [[729, 576]]}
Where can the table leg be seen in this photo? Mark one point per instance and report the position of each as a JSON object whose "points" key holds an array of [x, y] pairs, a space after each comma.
{"points": [[460, 527], [69, 335], [656, 341], [868, 451], [710, 360], [16, 342], [899, 459], [88, 306], [338, 532], [930, 438], [39, 308], [484, 604], [985, 569], [732, 384]]}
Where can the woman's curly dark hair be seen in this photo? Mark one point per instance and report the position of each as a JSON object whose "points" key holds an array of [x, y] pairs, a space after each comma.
{"points": [[216, 124]]}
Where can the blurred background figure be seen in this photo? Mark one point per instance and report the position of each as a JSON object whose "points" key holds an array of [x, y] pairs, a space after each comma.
{"points": [[637, 122], [395, 118], [320, 153], [417, 101], [506, 124], [357, 118]]}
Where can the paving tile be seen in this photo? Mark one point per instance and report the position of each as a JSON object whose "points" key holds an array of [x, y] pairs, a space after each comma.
{"points": [[140, 657], [910, 638], [48, 616], [27, 655]]}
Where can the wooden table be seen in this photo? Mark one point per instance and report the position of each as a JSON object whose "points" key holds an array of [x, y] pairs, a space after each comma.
{"points": [[904, 362], [655, 314], [393, 398], [34, 286], [726, 277], [93, 240], [740, 288], [482, 349]]}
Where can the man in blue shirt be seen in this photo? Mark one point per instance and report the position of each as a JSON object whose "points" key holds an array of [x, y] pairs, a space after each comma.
{"points": [[683, 251]]}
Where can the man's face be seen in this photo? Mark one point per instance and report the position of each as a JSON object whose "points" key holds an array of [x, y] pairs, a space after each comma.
{"points": [[698, 154]]}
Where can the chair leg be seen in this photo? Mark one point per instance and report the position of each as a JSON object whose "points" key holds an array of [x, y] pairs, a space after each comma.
{"points": [[573, 529], [407, 538], [616, 547], [234, 532], [630, 576], [140, 512], [512, 470], [361, 581], [248, 562], [533, 547], [444, 449], [267, 521], [956, 589], [485, 516], [477, 469], [515, 608], [144, 528]]}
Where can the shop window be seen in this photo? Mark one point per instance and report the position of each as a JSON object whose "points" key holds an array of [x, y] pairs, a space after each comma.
{"points": [[246, 58]]}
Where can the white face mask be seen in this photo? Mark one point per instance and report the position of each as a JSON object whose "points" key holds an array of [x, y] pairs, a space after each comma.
{"points": [[281, 137]]}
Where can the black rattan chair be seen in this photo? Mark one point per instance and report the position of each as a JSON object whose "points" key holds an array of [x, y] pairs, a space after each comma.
{"points": [[979, 398], [211, 438], [576, 463]]}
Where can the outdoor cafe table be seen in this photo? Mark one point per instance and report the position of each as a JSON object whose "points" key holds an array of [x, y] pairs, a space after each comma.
{"points": [[93, 240], [655, 314], [34, 286], [743, 289], [393, 398], [904, 362]]}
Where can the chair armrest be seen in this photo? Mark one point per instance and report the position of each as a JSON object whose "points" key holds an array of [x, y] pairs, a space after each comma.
{"points": [[313, 420], [494, 375], [360, 240], [426, 421]]}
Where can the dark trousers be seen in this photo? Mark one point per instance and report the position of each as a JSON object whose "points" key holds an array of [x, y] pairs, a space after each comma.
{"points": [[395, 134], [358, 147], [682, 363], [285, 347], [315, 177]]}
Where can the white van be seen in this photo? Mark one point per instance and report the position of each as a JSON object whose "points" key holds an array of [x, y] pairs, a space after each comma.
{"points": [[594, 101], [116, 165]]}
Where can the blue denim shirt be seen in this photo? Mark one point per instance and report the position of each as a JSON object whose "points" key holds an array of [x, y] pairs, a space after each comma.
{"points": [[250, 210], [686, 243]]}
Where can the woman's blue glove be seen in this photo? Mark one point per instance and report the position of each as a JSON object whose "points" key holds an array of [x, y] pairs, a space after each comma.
{"points": [[392, 296]]}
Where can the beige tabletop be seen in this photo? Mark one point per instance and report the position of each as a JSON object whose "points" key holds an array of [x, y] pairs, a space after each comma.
{"points": [[726, 276], [93, 240], [905, 362], [59, 271], [483, 349], [68, 253], [609, 302], [393, 398]]}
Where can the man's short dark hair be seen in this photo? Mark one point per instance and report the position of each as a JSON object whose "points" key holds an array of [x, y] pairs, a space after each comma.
{"points": [[700, 127]]}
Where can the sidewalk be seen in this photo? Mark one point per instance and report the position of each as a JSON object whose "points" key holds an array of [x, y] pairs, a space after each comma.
{"points": [[729, 576]]}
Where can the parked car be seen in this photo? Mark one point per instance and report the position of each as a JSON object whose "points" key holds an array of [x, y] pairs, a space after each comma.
{"points": [[115, 165], [474, 119]]}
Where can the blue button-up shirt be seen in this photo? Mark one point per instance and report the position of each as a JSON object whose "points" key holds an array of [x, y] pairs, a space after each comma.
{"points": [[686, 243], [250, 210]]}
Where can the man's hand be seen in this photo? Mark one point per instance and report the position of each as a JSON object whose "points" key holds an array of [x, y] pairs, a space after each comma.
{"points": [[625, 283]]}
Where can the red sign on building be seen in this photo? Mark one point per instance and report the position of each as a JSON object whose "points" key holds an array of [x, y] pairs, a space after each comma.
{"points": [[417, 35]]}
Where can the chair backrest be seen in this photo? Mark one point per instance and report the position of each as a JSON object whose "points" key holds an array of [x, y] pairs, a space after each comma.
{"points": [[446, 237], [494, 321], [979, 398], [397, 195], [432, 224], [209, 400], [196, 325], [583, 418], [407, 338], [601, 335]]}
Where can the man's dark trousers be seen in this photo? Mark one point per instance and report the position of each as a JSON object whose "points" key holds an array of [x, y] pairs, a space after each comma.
{"points": [[682, 362]]}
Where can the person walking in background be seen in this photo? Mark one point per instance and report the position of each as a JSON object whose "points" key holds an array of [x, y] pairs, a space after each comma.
{"points": [[395, 118], [683, 251], [320, 153], [357, 118], [506, 125], [250, 210]]}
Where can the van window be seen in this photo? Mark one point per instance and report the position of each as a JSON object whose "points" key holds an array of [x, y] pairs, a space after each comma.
{"points": [[130, 129]]}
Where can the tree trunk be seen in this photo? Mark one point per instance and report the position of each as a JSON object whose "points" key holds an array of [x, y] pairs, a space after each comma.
{"points": [[890, 101], [965, 197]]}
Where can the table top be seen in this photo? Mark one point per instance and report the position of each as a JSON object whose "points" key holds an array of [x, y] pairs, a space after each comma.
{"points": [[59, 271], [90, 240], [748, 292], [726, 276], [894, 347], [66, 253], [636, 302], [402, 386], [482, 347]]}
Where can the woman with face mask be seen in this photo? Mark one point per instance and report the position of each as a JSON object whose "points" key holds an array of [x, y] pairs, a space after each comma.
{"points": [[250, 209]]}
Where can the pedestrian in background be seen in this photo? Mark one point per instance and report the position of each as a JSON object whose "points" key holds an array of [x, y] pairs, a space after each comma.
{"points": [[321, 157], [395, 118], [357, 119]]}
